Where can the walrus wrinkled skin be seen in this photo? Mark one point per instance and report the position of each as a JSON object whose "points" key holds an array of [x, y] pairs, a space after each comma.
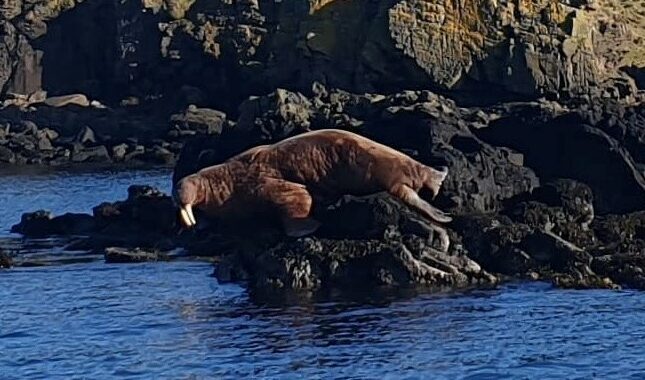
{"points": [[290, 176]]}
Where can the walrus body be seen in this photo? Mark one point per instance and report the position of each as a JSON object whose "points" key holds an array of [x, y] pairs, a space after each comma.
{"points": [[290, 176]]}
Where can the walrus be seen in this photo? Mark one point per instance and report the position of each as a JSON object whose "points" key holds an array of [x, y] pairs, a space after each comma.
{"points": [[290, 176]]}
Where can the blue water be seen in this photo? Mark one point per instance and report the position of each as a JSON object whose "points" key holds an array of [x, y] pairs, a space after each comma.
{"points": [[173, 320]]}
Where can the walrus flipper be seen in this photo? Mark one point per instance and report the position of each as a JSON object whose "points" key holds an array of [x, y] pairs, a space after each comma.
{"points": [[411, 198], [293, 202]]}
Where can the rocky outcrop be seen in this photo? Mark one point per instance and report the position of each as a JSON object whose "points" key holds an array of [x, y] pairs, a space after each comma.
{"points": [[145, 219], [5, 260], [552, 234], [493, 153], [380, 242], [217, 53]]}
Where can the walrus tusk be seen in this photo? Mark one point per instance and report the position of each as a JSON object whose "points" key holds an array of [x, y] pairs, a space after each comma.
{"points": [[187, 216], [189, 210], [184, 217]]}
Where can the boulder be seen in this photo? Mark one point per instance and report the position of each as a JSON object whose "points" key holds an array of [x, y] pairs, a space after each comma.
{"points": [[275, 116], [199, 120], [94, 154]]}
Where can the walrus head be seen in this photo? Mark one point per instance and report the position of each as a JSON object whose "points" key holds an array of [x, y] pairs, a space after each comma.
{"points": [[188, 192]]}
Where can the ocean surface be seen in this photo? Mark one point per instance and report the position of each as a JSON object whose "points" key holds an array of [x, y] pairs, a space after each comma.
{"points": [[77, 317]]}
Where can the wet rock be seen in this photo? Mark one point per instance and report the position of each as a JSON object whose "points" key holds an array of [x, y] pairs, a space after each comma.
{"points": [[312, 263], [43, 223], [380, 242], [564, 207], [5, 260], [37, 223], [122, 255]]}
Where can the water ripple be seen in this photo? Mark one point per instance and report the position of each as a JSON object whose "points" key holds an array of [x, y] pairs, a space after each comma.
{"points": [[87, 319]]}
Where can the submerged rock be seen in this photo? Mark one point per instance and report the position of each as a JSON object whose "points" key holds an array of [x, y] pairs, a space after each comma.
{"points": [[123, 255], [5, 260]]}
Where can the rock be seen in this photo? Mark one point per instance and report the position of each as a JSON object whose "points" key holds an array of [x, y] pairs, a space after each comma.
{"points": [[577, 150], [200, 120], [563, 206], [49, 133], [91, 154], [275, 116], [86, 136], [43, 223], [5, 260], [38, 96], [380, 242], [122, 255], [137, 192], [119, 151], [35, 223], [6, 155], [26, 127], [313, 263], [159, 155], [44, 144], [480, 176], [65, 100]]}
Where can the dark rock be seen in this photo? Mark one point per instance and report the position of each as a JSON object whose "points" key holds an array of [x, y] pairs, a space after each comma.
{"points": [[5, 260], [312, 263], [576, 150], [85, 136], [275, 116], [159, 155], [42, 223], [91, 154], [136, 192], [6, 155], [37, 223], [200, 120], [26, 127], [380, 242], [122, 255], [564, 207]]}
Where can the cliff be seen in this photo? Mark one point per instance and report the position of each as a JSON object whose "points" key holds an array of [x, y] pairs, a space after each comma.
{"points": [[219, 52]]}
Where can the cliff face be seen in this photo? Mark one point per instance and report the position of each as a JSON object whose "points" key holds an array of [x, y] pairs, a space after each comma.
{"points": [[218, 52]]}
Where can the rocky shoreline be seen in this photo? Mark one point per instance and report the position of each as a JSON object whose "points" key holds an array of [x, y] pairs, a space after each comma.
{"points": [[536, 107], [519, 213]]}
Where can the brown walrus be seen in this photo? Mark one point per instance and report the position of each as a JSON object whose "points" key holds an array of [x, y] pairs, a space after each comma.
{"points": [[288, 177]]}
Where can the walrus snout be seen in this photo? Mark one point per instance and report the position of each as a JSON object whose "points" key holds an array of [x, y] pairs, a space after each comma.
{"points": [[180, 195]]}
